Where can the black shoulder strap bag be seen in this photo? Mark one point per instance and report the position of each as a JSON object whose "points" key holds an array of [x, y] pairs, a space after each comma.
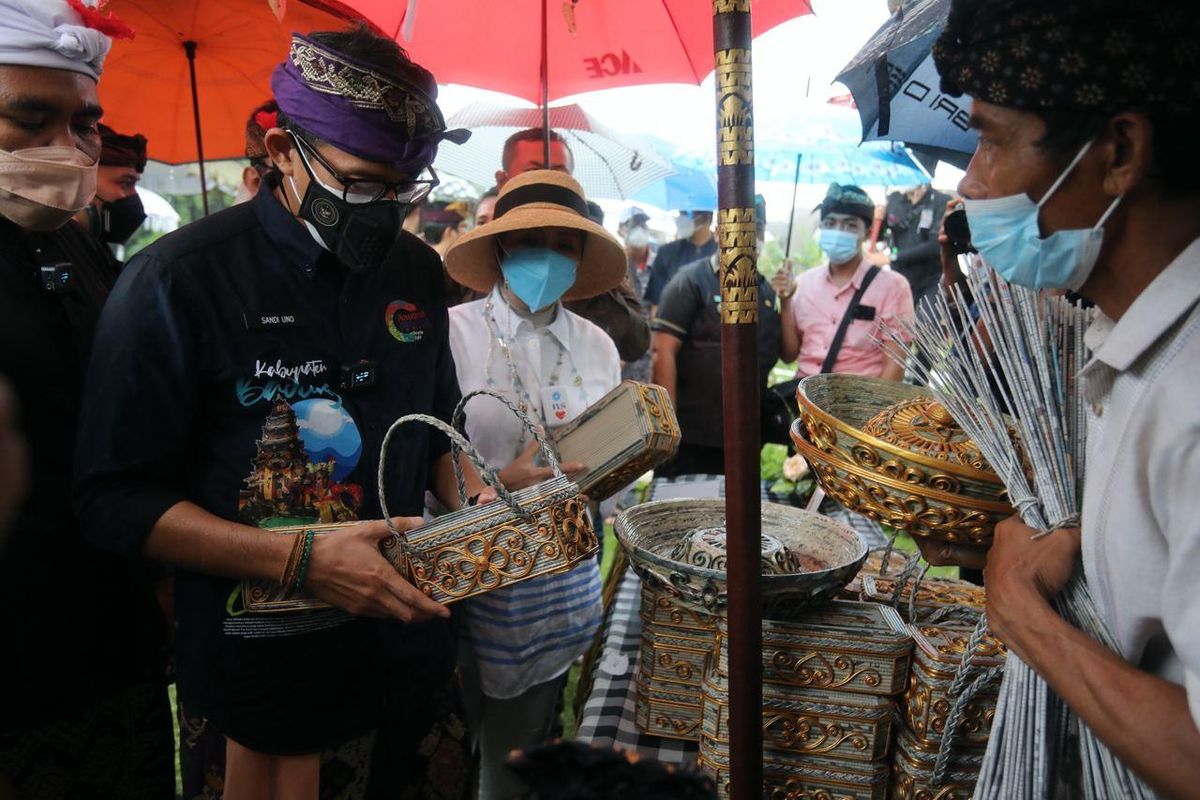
{"points": [[779, 409], [835, 347]]}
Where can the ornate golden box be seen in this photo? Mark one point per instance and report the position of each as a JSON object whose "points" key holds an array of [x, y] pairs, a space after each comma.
{"points": [[934, 596], [660, 611], [888, 451], [836, 725], [662, 712], [926, 703], [630, 430], [874, 565], [828, 713], [863, 648], [913, 772], [676, 644], [815, 778]]}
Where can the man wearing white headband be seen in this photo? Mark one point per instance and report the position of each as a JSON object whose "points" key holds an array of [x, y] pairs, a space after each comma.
{"points": [[83, 700]]}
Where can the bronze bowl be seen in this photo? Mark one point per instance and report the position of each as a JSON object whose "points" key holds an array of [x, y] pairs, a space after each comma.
{"points": [[915, 470], [822, 555]]}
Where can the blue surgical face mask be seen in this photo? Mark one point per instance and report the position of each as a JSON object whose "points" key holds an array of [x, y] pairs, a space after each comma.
{"points": [[537, 275], [1005, 232], [840, 246]]}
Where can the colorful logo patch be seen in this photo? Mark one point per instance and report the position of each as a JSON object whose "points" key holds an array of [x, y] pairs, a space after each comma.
{"points": [[405, 322]]}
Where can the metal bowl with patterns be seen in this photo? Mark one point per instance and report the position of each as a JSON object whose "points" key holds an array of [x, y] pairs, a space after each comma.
{"points": [[826, 553], [890, 452]]}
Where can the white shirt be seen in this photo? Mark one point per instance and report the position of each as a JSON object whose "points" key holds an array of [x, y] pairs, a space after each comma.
{"points": [[1141, 500], [581, 354], [531, 632]]}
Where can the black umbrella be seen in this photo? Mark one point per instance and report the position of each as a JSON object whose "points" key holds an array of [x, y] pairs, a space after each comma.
{"points": [[897, 89]]}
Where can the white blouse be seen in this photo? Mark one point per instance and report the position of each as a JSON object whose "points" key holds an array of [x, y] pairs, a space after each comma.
{"points": [[532, 632]]}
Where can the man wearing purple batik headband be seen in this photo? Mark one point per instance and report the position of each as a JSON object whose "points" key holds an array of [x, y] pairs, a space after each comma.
{"points": [[355, 146], [244, 373]]}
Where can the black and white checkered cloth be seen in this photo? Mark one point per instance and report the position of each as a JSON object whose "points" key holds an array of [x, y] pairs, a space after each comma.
{"points": [[608, 715]]}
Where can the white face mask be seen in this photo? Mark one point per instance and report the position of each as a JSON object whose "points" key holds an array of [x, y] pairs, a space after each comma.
{"points": [[637, 237], [684, 227], [41, 188]]}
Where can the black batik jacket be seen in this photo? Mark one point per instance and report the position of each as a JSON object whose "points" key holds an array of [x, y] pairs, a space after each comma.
{"points": [[239, 366]]}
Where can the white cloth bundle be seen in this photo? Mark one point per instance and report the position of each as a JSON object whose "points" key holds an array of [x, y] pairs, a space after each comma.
{"points": [[50, 33]]}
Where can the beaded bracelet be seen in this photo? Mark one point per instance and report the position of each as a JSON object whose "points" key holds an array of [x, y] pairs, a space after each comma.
{"points": [[302, 568]]}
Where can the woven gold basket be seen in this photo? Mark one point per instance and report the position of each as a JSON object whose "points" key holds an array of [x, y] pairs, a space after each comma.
{"points": [[540, 530], [916, 471], [913, 767], [927, 703]]}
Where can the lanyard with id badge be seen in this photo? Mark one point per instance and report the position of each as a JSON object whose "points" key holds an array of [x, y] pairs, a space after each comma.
{"points": [[560, 403]]}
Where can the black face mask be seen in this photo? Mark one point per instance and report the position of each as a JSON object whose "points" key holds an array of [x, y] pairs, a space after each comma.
{"points": [[115, 222], [359, 234]]}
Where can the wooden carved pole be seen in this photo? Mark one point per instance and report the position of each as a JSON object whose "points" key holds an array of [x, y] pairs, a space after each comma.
{"points": [[739, 360]]}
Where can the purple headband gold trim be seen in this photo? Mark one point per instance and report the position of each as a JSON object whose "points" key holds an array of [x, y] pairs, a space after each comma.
{"points": [[356, 109]]}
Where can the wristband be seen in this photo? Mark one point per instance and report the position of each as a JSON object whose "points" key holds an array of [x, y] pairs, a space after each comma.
{"points": [[302, 567]]}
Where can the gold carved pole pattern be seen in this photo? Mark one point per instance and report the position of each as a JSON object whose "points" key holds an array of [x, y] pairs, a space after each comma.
{"points": [[736, 240]]}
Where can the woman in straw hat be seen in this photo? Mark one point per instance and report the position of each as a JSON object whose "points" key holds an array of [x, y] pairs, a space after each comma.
{"points": [[540, 248]]}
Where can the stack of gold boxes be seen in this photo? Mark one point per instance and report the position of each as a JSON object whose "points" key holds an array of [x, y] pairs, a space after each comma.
{"points": [[676, 643], [830, 684], [928, 706]]}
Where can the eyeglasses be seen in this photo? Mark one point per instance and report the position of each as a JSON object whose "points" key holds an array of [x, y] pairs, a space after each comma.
{"points": [[359, 191], [847, 225]]}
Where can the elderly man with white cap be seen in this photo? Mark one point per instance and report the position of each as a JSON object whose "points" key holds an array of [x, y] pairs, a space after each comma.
{"points": [[83, 698]]}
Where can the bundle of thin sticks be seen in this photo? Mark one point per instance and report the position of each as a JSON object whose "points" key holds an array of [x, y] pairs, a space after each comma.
{"points": [[1003, 360]]}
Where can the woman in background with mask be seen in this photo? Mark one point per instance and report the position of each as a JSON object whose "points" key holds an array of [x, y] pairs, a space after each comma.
{"points": [[814, 306], [539, 248]]}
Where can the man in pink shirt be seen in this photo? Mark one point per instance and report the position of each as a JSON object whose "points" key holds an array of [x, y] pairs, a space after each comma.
{"points": [[814, 305]]}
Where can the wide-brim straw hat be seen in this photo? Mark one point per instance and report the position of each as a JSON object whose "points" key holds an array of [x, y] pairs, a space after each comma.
{"points": [[539, 199]]}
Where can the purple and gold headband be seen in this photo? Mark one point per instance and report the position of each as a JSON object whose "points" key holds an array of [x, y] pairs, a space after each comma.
{"points": [[357, 109]]}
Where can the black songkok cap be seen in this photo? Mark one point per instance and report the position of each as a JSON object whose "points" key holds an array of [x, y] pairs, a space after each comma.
{"points": [[1098, 56], [119, 150], [848, 200]]}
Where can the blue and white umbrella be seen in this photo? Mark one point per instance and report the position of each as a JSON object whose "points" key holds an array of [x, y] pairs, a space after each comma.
{"points": [[826, 137], [689, 189]]}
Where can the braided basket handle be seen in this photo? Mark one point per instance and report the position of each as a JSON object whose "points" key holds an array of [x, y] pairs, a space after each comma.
{"points": [[458, 420], [969, 680], [458, 444]]}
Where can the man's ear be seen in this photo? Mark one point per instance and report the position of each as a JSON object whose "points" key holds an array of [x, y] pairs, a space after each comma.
{"points": [[1129, 152], [281, 150], [501, 178]]}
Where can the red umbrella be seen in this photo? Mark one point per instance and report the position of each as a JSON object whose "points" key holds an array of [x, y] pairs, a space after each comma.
{"points": [[194, 70], [590, 44]]}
